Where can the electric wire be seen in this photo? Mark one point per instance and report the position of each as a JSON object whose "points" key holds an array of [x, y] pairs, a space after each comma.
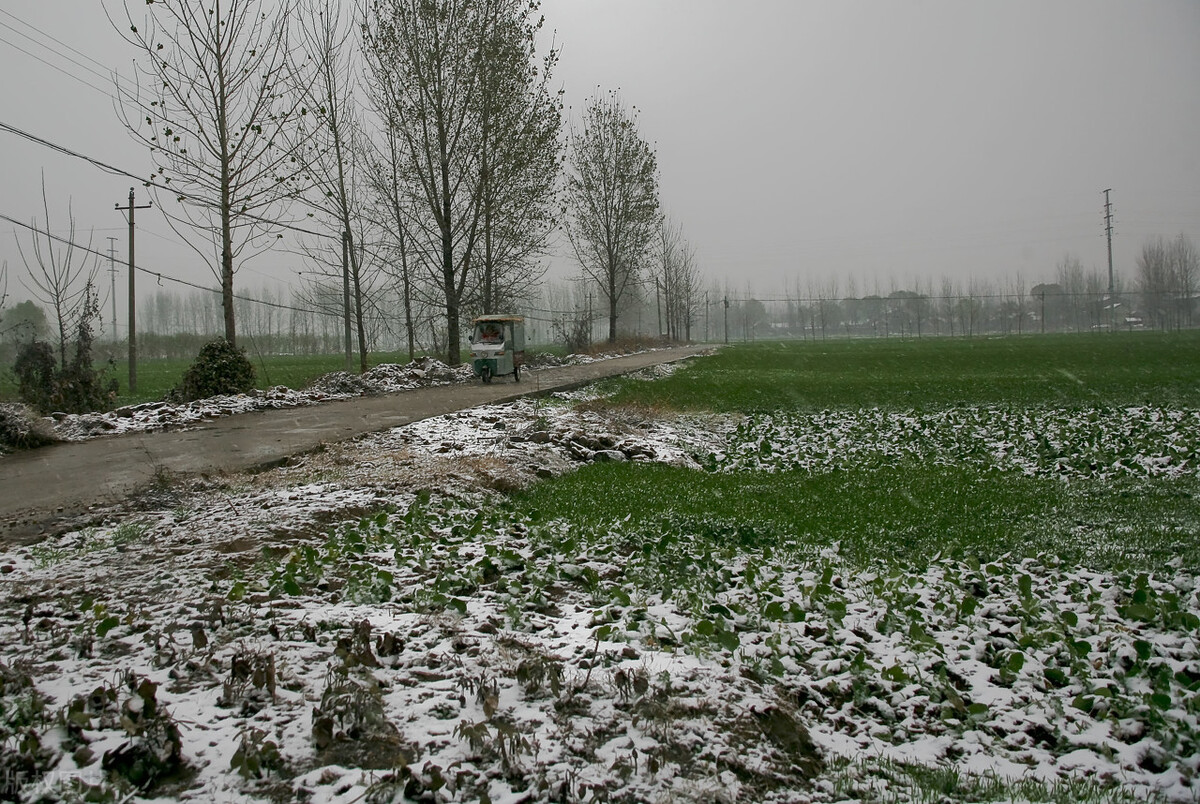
{"points": [[56, 41], [52, 66], [161, 277], [62, 149], [106, 167]]}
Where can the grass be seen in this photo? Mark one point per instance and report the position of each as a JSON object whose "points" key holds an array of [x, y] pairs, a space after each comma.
{"points": [[925, 499], [902, 513], [886, 781], [1060, 370], [725, 563], [157, 377], [882, 508]]}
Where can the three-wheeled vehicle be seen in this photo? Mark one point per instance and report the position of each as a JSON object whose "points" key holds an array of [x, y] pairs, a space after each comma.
{"points": [[498, 346]]}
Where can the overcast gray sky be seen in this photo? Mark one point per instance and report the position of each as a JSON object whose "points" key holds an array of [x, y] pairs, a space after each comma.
{"points": [[887, 142]]}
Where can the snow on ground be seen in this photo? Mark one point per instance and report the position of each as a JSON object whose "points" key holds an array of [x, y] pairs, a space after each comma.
{"points": [[370, 623], [1102, 443], [423, 372], [387, 378]]}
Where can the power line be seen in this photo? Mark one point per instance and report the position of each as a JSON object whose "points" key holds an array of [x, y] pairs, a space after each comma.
{"points": [[150, 182], [900, 300], [108, 75], [161, 277], [58, 42], [49, 64]]}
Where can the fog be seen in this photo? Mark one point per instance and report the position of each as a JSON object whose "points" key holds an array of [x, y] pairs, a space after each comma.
{"points": [[862, 146]]}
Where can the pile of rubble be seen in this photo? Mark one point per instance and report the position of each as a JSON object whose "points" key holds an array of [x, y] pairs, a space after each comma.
{"points": [[588, 447]]}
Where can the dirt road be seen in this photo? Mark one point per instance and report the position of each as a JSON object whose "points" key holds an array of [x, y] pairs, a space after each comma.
{"points": [[41, 489]]}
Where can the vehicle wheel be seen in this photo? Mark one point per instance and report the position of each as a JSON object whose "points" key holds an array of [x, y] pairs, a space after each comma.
{"points": [[516, 373], [486, 373]]}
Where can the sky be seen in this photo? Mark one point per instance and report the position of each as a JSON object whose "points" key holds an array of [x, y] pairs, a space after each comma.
{"points": [[875, 145]]}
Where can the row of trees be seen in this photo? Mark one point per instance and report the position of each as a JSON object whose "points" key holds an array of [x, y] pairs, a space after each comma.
{"points": [[1168, 277], [419, 142], [419, 147], [176, 324], [1076, 301]]}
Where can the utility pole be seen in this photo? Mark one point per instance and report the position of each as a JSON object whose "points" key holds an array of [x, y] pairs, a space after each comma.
{"points": [[1108, 230], [132, 305], [112, 269], [726, 319]]}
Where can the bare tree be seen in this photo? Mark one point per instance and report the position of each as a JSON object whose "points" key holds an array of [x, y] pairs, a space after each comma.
{"points": [[677, 278], [391, 212], [568, 304], [332, 153], [1083, 290], [214, 111], [970, 308], [520, 149], [59, 276], [612, 197], [1185, 265], [688, 292], [667, 241], [1019, 309], [1154, 281], [423, 64], [947, 311], [1167, 273]]}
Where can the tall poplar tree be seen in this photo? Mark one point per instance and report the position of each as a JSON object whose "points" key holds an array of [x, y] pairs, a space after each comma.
{"points": [[330, 147], [476, 128], [423, 66], [612, 199], [215, 107], [520, 150]]}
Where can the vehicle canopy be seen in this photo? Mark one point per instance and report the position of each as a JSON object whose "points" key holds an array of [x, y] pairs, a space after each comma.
{"points": [[498, 329]]}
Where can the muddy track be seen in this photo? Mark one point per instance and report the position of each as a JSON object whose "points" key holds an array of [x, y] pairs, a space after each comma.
{"points": [[44, 490]]}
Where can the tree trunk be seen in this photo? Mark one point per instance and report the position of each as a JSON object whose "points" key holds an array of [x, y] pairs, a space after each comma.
{"points": [[407, 292], [356, 275], [453, 358], [612, 306], [227, 272], [226, 207]]}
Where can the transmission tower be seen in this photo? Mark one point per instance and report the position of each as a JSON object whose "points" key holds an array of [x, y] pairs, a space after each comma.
{"points": [[1108, 232]]}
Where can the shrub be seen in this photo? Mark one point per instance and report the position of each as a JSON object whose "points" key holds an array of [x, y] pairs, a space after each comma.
{"points": [[81, 387], [75, 388], [220, 368], [576, 334], [37, 375]]}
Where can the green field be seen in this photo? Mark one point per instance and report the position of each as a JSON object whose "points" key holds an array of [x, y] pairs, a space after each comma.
{"points": [[908, 484], [157, 377], [906, 513], [1038, 493], [1122, 368], [924, 571]]}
